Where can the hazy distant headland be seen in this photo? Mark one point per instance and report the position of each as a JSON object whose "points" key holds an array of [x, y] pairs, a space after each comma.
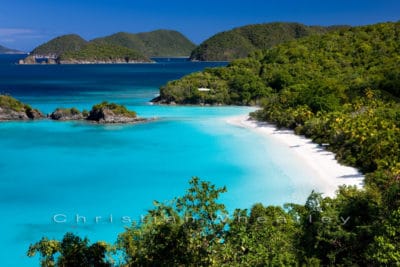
{"points": [[6, 50]]}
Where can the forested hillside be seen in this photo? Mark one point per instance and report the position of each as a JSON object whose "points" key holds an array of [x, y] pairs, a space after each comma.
{"points": [[103, 53], [114, 48], [160, 43], [240, 42], [340, 88], [60, 45]]}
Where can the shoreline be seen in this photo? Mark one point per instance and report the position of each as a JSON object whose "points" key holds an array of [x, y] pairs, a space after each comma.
{"points": [[329, 173]]}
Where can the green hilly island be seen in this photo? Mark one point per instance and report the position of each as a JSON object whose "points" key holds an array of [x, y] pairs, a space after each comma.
{"points": [[102, 53], [60, 45], [160, 43], [117, 48], [239, 42]]}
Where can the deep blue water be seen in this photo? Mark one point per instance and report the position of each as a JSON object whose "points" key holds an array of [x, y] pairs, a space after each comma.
{"points": [[74, 169]]}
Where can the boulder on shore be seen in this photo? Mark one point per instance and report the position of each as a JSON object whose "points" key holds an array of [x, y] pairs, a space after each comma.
{"points": [[112, 113], [66, 114], [28, 60]]}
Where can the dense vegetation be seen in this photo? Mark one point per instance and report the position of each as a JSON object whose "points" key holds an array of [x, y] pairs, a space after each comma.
{"points": [[60, 45], [102, 52], [73, 251], [134, 46], [160, 43], [340, 89], [357, 228], [240, 42]]}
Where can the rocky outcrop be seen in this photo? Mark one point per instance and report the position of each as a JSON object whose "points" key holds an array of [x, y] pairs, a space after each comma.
{"points": [[66, 114], [12, 109], [28, 60], [12, 115], [101, 113], [51, 61], [34, 114], [106, 115]]}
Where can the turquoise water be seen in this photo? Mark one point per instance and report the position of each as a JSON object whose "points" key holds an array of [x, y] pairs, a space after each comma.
{"points": [[70, 169]]}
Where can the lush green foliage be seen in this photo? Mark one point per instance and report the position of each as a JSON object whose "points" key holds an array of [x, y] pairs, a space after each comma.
{"points": [[119, 46], [240, 42], [115, 108], [320, 71], [340, 88], [60, 45], [160, 43], [71, 251], [103, 52], [238, 84], [181, 233], [357, 228]]}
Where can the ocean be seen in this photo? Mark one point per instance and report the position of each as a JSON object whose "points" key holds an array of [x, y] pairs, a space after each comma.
{"points": [[58, 177]]}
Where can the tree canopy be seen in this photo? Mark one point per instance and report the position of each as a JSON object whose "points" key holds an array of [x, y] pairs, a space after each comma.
{"points": [[356, 228], [240, 42], [159, 43]]}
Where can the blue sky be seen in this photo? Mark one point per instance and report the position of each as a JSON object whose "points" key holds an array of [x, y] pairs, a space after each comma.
{"points": [[25, 24]]}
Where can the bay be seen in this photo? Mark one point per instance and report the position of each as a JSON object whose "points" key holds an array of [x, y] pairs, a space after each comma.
{"points": [[58, 177]]}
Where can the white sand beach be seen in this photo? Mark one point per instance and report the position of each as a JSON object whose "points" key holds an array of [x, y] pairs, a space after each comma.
{"points": [[329, 173]]}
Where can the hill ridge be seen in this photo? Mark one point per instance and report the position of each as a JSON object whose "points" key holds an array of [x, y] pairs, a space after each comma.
{"points": [[241, 41]]}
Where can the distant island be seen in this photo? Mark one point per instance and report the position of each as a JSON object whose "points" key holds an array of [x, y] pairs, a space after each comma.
{"points": [[159, 43], [240, 42], [117, 48], [6, 50], [12, 109], [102, 53]]}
